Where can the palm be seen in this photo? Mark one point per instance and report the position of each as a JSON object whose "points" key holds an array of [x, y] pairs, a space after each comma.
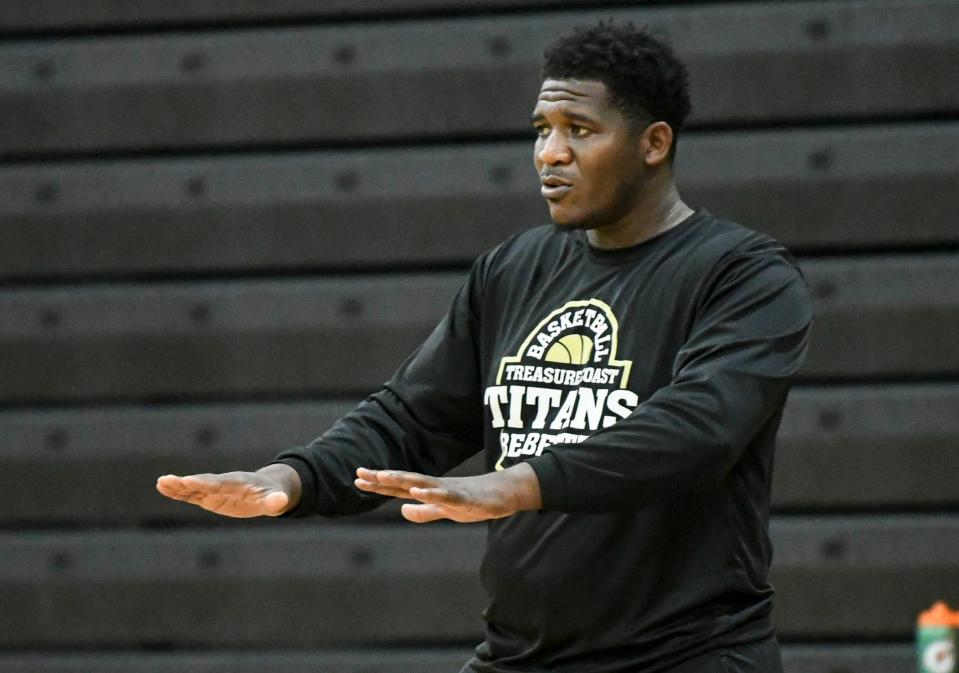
{"points": [[460, 499], [235, 494], [463, 501]]}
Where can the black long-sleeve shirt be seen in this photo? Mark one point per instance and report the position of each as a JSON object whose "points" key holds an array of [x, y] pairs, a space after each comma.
{"points": [[644, 386]]}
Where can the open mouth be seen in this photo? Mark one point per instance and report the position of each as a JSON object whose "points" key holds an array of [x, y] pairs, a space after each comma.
{"points": [[554, 187], [554, 191]]}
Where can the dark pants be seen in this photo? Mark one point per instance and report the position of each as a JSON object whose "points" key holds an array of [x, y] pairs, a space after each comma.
{"points": [[761, 656]]}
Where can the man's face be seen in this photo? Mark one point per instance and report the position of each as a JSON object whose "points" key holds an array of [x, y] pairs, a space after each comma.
{"points": [[587, 153]]}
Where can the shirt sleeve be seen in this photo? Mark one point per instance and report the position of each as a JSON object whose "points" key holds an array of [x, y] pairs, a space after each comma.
{"points": [[730, 377], [427, 418]]}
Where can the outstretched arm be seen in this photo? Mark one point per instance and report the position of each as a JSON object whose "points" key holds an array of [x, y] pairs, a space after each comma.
{"points": [[463, 499], [427, 418]]}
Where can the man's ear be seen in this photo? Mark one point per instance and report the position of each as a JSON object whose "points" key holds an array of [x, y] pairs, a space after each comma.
{"points": [[656, 142]]}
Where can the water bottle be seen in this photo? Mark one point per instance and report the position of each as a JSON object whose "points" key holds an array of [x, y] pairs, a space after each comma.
{"points": [[936, 639]]}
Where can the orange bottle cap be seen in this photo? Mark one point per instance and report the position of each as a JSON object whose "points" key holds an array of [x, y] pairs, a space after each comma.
{"points": [[938, 615]]}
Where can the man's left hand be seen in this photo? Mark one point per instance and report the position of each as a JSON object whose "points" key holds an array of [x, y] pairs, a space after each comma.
{"points": [[464, 499]]}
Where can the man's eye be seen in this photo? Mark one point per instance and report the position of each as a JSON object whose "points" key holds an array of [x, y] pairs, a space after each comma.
{"points": [[579, 131], [541, 130]]}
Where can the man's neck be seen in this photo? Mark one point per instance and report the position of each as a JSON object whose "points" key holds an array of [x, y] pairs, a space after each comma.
{"points": [[665, 212]]}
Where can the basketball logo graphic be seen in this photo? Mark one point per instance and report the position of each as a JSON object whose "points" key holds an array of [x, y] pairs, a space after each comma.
{"points": [[572, 349], [563, 383]]}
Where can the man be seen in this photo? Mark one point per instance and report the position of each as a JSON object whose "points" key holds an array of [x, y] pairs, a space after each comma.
{"points": [[625, 372]]}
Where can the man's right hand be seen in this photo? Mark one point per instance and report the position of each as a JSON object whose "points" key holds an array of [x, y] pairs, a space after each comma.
{"points": [[270, 491]]}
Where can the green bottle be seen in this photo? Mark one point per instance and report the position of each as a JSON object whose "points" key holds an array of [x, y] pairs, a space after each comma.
{"points": [[936, 639]]}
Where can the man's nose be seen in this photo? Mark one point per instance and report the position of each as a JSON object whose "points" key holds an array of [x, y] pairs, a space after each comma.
{"points": [[554, 150]]}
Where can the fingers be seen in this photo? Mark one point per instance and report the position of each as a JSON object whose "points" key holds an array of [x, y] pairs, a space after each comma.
{"points": [[422, 513], [229, 483], [372, 487], [436, 496], [396, 478], [177, 487], [172, 486], [211, 484], [392, 483]]}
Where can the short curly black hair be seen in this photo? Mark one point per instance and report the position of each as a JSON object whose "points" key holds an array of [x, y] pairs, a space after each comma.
{"points": [[644, 77]]}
